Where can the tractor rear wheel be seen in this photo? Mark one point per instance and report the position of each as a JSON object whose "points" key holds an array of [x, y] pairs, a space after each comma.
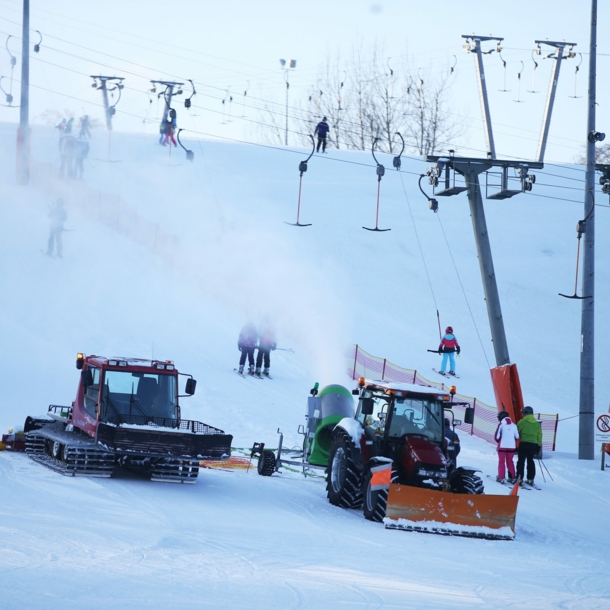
{"points": [[466, 482], [375, 501], [343, 478], [266, 463]]}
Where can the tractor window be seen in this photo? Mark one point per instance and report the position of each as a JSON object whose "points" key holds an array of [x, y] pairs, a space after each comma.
{"points": [[380, 405], [92, 392], [416, 416], [139, 394]]}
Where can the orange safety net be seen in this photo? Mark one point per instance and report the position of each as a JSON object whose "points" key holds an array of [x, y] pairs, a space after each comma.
{"points": [[363, 364]]}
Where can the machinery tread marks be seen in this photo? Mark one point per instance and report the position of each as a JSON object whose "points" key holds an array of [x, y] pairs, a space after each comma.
{"points": [[466, 482], [375, 502], [343, 477], [266, 463]]}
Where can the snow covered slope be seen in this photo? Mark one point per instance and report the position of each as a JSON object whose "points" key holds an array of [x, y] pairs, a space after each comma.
{"points": [[236, 539]]}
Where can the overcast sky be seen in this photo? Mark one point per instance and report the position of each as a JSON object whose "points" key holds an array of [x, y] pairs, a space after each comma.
{"points": [[229, 46]]}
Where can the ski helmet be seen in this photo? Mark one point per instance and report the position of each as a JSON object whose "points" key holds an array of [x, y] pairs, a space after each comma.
{"points": [[449, 330], [502, 415], [528, 411]]}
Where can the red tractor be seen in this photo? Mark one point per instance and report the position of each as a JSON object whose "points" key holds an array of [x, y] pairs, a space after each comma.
{"points": [[392, 458], [126, 413]]}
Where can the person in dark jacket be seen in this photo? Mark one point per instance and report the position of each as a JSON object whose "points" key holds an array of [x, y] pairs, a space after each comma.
{"points": [[453, 442], [322, 129], [530, 432], [247, 344], [267, 342], [448, 347]]}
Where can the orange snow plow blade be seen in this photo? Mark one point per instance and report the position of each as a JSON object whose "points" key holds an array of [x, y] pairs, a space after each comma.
{"points": [[438, 512]]}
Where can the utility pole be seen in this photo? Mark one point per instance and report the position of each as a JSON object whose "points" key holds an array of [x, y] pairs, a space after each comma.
{"points": [[23, 133], [586, 449], [473, 45], [102, 82], [167, 94], [557, 56], [291, 64]]}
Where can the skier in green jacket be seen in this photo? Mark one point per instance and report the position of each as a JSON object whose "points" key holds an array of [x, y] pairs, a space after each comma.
{"points": [[530, 434]]}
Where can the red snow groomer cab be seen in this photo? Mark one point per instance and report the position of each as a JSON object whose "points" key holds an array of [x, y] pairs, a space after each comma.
{"points": [[126, 413]]}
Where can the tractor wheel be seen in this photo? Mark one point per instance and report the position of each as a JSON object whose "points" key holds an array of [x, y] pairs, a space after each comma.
{"points": [[375, 501], [466, 482], [343, 478], [266, 463]]}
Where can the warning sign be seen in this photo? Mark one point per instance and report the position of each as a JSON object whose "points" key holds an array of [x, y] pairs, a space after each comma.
{"points": [[602, 428]]}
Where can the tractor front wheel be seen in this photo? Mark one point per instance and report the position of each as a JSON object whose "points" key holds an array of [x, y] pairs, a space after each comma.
{"points": [[466, 482], [343, 478], [266, 463], [375, 501]]}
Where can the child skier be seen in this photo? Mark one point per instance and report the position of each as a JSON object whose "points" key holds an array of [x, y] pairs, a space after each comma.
{"points": [[448, 346], [246, 344], [507, 435]]}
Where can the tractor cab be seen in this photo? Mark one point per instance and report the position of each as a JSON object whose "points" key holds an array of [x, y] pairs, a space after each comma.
{"points": [[405, 423]]}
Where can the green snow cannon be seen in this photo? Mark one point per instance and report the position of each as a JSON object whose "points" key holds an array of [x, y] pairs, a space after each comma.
{"points": [[325, 409]]}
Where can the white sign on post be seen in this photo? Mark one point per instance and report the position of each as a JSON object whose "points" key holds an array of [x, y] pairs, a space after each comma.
{"points": [[602, 428]]}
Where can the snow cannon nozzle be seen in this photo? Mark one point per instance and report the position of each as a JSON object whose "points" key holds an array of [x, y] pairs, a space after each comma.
{"points": [[314, 390]]}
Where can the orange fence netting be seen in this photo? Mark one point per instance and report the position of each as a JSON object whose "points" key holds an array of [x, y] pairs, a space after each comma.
{"points": [[362, 364]]}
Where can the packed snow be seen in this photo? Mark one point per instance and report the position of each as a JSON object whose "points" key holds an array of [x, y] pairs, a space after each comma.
{"points": [[235, 539]]}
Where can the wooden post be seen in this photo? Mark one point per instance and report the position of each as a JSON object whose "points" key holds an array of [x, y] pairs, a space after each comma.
{"points": [[383, 370]]}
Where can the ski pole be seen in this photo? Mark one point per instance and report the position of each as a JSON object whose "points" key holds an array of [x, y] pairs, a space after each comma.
{"points": [[541, 470], [284, 349], [547, 470]]}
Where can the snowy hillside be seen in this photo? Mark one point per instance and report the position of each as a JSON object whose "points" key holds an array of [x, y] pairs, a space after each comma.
{"points": [[237, 540]]}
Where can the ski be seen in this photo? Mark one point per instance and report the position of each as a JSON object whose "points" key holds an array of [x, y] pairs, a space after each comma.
{"points": [[446, 375], [267, 376], [240, 374], [525, 485]]}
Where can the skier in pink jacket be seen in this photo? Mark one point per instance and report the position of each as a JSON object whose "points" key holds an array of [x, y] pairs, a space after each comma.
{"points": [[507, 435]]}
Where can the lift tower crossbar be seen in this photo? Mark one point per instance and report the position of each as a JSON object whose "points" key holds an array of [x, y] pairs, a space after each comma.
{"points": [[470, 168], [550, 100], [102, 82], [167, 94], [473, 45]]}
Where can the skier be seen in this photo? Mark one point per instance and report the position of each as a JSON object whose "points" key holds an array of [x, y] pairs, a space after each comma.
{"points": [[62, 128], [531, 443], [162, 130], [57, 216], [507, 435], [68, 129], [266, 343], [81, 150], [453, 442], [448, 346], [169, 134], [246, 344], [322, 129], [85, 126]]}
